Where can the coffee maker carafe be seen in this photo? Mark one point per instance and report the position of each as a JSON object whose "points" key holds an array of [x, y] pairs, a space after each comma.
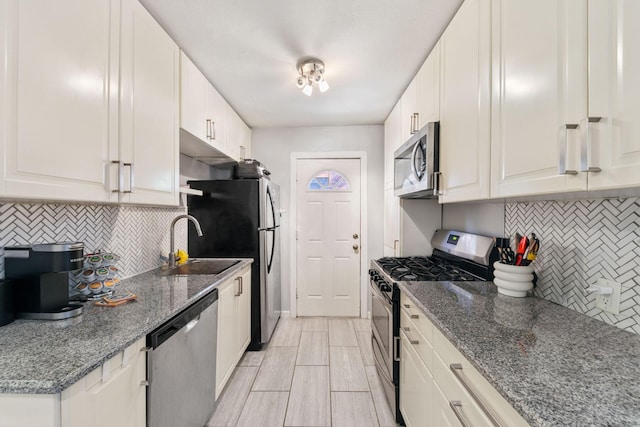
{"points": [[40, 278]]}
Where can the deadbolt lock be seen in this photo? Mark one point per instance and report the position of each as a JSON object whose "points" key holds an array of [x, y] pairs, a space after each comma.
{"points": [[355, 235]]}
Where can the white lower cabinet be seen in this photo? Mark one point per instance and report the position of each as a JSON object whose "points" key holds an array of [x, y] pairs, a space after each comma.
{"points": [[438, 385], [234, 325], [112, 395]]}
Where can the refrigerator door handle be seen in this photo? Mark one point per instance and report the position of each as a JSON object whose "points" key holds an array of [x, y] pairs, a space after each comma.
{"points": [[273, 250]]}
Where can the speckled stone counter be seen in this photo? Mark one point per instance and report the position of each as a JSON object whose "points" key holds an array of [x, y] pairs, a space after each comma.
{"points": [[555, 366], [48, 356]]}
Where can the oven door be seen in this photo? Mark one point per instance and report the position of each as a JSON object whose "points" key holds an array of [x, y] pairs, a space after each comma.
{"points": [[382, 331]]}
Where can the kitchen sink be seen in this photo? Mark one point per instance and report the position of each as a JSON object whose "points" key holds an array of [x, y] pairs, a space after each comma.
{"points": [[201, 266]]}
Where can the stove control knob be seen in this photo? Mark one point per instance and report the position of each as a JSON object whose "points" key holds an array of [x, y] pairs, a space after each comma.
{"points": [[373, 272], [384, 287]]}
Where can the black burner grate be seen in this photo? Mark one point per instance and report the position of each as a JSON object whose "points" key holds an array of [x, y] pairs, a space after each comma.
{"points": [[423, 269]]}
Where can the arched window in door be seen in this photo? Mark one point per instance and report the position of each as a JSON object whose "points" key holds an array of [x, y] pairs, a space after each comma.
{"points": [[328, 180]]}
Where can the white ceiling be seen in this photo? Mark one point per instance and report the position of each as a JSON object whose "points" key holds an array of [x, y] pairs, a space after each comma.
{"points": [[249, 49]]}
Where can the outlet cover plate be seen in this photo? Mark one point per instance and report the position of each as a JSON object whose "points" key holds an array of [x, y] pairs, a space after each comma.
{"points": [[609, 303]]}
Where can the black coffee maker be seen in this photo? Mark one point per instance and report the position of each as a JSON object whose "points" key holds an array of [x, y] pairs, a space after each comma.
{"points": [[40, 278]]}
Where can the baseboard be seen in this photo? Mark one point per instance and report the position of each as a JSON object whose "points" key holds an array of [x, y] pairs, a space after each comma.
{"points": [[285, 314]]}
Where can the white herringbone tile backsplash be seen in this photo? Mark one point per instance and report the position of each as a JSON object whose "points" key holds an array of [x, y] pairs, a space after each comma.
{"points": [[582, 241], [138, 234]]}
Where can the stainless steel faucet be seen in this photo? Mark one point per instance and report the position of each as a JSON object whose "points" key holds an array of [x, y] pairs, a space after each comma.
{"points": [[172, 253]]}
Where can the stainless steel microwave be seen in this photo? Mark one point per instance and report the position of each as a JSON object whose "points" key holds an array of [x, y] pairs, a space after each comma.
{"points": [[416, 164]]}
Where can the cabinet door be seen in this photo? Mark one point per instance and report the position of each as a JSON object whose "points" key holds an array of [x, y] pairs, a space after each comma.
{"points": [[60, 101], [243, 315], [226, 348], [218, 112], [443, 414], [613, 143], [193, 99], [465, 105], [117, 385], [391, 222], [392, 140], [149, 108], [416, 387], [539, 96], [428, 89], [409, 99]]}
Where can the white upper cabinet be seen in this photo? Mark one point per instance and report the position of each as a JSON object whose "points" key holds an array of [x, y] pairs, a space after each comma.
{"points": [[565, 96], [465, 58], [539, 96], [215, 133], [59, 99], [149, 109], [90, 105], [420, 102], [611, 142]]}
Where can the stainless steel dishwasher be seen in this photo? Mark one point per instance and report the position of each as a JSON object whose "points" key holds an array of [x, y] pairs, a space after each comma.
{"points": [[181, 367]]}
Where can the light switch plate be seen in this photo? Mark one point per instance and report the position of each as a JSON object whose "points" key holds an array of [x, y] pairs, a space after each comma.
{"points": [[609, 303]]}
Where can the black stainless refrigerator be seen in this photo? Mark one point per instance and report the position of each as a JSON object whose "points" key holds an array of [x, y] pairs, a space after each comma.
{"points": [[241, 219]]}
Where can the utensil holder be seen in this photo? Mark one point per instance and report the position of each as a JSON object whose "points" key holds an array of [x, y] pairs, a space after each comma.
{"points": [[513, 280]]}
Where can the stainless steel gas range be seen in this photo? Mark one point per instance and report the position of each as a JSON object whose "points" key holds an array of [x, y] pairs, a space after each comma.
{"points": [[457, 256]]}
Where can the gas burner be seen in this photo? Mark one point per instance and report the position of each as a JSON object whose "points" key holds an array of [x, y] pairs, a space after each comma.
{"points": [[423, 269]]}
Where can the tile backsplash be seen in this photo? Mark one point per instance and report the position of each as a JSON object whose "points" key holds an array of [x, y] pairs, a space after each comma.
{"points": [[138, 234], [581, 241]]}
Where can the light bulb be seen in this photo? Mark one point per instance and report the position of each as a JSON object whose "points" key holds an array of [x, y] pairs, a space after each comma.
{"points": [[323, 86], [301, 81], [307, 90]]}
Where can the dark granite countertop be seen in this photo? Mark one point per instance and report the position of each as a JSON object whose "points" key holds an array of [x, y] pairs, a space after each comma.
{"points": [[555, 366], [48, 356]]}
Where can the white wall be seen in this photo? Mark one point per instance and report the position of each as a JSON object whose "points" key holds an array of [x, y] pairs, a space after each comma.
{"points": [[486, 218], [273, 147]]}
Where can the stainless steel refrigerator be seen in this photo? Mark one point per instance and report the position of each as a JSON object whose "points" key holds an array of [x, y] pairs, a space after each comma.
{"points": [[241, 219]]}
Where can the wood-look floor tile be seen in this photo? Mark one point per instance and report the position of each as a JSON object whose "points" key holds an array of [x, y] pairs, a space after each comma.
{"points": [[364, 343], [287, 333], [264, 409], [313, 349], [252, 358], [309, 400], [347, 369], [353, 409], [361, 325], [276, 370], [316, 324], [341, 333], [231, 401], [383, 410]]}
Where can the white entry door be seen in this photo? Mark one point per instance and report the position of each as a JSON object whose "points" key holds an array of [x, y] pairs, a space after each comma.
{"points": [[328, 237]]}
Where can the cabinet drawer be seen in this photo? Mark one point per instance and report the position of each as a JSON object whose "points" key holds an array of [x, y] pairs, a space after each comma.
{"points": [[416, 316], [455, 387], [416, 339]]}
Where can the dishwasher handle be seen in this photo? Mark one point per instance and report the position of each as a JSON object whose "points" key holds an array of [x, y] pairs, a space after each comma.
{"points": [[185, 319]]}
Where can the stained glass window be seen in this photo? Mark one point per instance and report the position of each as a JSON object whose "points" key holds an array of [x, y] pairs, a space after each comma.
{"points": [[329, 181]]}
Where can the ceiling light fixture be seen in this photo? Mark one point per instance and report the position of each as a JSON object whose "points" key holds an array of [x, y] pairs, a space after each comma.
{"points": [[311, 70]]}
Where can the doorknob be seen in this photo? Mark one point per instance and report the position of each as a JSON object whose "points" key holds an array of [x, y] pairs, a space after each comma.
{"points": [[355, 235], [356, 247]]}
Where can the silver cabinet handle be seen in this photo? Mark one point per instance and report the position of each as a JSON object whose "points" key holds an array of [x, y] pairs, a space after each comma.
{"points": [[396, 344], [563, 152], [213, 129], [130, 177], [416, 122], [120, 177], [411, 125], [208, 128], [456, 405], [144, 383], [586, 155], [241, 285], [395, 247], [456, 368], [406, 335], [238, 291], [406, 310], [148, 380], [242, 152]]}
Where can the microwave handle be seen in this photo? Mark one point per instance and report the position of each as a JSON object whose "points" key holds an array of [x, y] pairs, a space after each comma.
{"points": [[413, 160]]}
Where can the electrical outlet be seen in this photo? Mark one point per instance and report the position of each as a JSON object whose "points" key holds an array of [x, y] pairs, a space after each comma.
{"points": [[610, 302]]}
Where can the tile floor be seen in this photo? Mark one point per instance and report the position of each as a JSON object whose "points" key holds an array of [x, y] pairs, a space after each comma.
{"points": [[314, 372]]}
